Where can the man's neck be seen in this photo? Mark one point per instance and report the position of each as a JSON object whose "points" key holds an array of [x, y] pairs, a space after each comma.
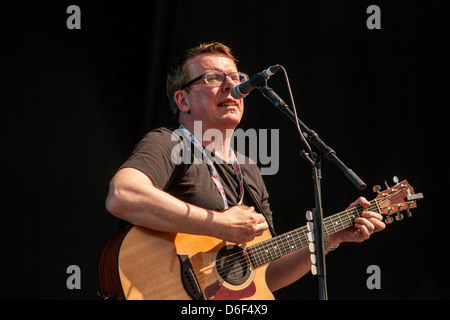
{"points": [[214, 139]]}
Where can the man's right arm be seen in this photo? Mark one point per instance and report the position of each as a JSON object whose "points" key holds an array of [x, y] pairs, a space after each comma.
{"points": [[134, 197]]}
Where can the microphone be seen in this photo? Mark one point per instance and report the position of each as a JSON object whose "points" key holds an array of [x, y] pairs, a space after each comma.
{"points": [[242, 90]]}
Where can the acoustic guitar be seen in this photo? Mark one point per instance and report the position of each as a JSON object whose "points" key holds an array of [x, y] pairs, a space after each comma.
{"points": [[139, 263]]}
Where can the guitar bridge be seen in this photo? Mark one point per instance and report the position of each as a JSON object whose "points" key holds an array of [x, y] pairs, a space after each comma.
{"points": [[189, 279]]}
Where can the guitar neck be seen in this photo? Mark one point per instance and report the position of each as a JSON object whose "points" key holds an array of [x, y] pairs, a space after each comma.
{"points": [[274, 248]]}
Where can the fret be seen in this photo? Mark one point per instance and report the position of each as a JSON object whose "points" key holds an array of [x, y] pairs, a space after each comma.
{"points": [[377, 206], [277, 247], [280, 245], [271, 250], [297, 239], [274, 248], [262, 256], [304, 236], [287, 238], [333, 224], [285, 243], [254, 257], [290, 242], [304, 233], [340, 220]]}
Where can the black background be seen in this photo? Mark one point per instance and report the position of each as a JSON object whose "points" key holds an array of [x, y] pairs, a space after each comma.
{"points": [[75, 102]]}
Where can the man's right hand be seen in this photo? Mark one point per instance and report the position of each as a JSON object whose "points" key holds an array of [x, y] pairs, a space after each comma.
{"points": [[241, 224]]}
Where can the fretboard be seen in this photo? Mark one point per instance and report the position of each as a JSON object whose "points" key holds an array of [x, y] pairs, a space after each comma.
{"points": [[274, 248]]}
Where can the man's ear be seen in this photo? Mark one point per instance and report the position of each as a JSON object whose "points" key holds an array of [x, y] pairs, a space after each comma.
{"points": [[181, 99]]}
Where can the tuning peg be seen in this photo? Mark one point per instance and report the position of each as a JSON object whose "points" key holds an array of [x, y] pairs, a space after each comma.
{"points": [[376, 189], [408, 213], [388, 220], [386, 184], [398, 216], [395, 179]]}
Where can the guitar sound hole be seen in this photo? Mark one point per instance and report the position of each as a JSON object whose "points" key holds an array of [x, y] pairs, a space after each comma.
{"points": [[233, 265]]}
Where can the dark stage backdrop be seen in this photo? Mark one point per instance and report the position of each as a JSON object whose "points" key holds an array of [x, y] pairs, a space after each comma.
{"points": [[75, 102]]}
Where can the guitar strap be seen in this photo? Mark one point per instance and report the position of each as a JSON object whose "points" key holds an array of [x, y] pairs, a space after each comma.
{"points": [[212, 170], [258, 206]]}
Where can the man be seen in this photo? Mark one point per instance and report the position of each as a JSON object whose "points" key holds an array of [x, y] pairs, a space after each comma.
{"points": [[153, 191]]}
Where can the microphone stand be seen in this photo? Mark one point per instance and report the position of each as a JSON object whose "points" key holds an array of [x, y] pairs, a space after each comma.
{"points": [[315, 160]]}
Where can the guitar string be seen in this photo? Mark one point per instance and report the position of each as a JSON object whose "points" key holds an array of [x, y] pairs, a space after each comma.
{"points": [[240, 257], [229, 265], [297, 243], [301, 240], [261, 249]]}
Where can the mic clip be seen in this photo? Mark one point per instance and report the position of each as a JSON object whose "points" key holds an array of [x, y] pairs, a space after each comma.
{"points": [[272, 96]]}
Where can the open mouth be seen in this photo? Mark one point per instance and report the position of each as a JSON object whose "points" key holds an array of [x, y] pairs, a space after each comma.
{"points": [[228, 103]]}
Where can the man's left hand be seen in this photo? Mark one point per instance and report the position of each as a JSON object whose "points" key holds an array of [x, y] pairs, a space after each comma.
{"points": [[364, 226]]}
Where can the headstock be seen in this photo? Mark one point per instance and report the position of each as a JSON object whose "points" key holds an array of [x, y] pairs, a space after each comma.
{"points": [[393, 200]]}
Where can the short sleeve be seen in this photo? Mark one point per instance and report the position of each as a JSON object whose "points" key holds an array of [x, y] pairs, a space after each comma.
{"points": [[153, 156]]}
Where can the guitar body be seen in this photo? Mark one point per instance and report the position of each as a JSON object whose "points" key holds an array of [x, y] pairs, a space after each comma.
{"points": [[140, 263]]}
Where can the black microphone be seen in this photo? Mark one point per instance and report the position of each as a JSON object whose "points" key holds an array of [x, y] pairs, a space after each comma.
{"points": [[242, 90]]}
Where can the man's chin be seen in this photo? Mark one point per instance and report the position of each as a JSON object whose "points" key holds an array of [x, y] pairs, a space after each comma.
{"points": [[231, 119]]}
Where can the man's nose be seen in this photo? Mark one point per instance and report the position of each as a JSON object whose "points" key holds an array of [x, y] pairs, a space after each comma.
{"points": [[228, 84]]}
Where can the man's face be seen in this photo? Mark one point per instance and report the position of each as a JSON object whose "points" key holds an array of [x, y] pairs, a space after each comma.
{"points": [[212, 103]]}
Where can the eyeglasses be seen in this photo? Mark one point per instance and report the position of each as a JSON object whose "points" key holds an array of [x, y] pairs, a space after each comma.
{"points": [[217, 77]]}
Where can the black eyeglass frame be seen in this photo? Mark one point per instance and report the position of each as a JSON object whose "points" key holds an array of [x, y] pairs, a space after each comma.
{"points": [[203, 76]]}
